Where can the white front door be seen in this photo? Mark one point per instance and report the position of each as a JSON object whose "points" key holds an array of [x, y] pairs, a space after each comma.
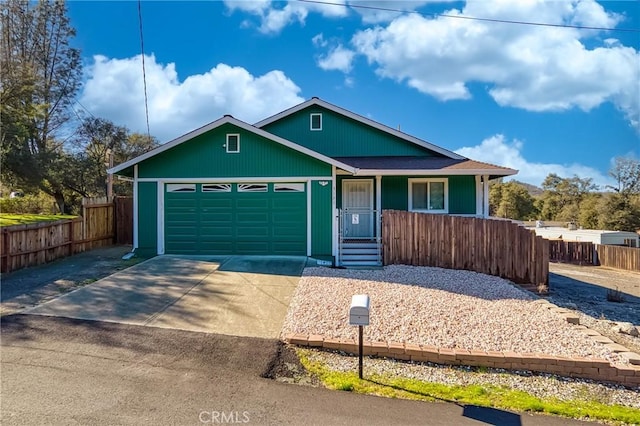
{"points": [[357, 206]]}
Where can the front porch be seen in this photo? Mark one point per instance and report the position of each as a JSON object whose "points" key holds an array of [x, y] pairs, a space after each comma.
{"points": [[360, 200]]}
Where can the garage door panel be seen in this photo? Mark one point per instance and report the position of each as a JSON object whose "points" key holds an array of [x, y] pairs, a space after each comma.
{"points": [[251, 201], [235, 222], [257, 217]]}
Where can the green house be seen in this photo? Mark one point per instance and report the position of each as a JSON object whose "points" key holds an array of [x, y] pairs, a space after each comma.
{"points": [[310, 181]]}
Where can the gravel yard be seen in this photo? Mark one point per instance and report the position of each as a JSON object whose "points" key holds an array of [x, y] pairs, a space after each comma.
{"points": [[439, 307]]}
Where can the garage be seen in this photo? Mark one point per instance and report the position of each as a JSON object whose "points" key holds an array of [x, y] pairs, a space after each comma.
{"points": [[252, 218]]}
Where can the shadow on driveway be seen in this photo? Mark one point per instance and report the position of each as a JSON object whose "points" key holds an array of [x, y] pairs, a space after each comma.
{"points": [[225, 295]]}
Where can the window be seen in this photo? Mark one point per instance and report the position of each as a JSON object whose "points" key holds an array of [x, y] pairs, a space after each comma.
{"points": [[253, 187], [181, 187], [428, 195], [216, 187], [288, 187], [233, 143], [316, 121]]}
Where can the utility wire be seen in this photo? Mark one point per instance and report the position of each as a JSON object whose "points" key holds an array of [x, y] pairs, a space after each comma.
{"points": [[144, 73], [471, 18]]}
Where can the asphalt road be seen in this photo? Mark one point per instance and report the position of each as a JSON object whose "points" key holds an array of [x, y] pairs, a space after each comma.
{"points": [[69, 371]]}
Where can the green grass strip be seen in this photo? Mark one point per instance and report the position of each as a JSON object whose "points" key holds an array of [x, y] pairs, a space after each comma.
{"points": [[481, 395], [8, 219]]}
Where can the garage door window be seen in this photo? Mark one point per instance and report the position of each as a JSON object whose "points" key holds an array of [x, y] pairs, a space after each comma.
{"points": [[253, 187], [288, 187], [181, 187], [216, 187]]}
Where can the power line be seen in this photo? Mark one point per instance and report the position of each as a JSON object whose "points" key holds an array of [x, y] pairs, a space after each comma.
{"points": [[471, 18], [144, 73]]}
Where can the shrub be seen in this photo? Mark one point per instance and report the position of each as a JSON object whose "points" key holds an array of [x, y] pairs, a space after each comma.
{"points": [[35, 204]]}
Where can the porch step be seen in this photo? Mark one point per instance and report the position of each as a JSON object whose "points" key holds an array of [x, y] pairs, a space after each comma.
{"points": [[359, 253]]}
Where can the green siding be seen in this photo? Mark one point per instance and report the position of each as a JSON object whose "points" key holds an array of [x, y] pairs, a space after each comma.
{"points": [[321, 217], [341, 136], [462, 195], [205, 156], [395, 193], [147, 218]]}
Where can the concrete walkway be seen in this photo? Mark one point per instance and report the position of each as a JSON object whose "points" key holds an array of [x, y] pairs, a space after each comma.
{"points": [[237, 295]]}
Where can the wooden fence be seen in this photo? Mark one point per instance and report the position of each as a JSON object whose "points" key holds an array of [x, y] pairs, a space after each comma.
{"points": [[124, 220], [619, 257], [494, 247], [30, 245], [576, 252]]}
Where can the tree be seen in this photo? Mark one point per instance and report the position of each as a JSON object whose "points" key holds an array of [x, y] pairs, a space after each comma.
{"points": [[626, 172], [511, 200], [562, 197], [96, 139], [39, 80], [622, 209]]}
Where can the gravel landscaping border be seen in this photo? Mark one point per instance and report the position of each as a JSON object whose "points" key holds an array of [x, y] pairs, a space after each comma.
{"points": [[461, 314]]}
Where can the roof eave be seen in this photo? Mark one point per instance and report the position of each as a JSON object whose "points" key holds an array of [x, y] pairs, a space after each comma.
{"points": [[436, 172], [242, 125]]}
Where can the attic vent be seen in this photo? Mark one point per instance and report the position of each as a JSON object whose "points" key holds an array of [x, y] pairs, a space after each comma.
{"points": [[316, 121]]}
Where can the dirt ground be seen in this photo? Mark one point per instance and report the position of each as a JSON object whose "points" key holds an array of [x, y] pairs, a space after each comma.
{"points": [[32, 286], [584, 289]]}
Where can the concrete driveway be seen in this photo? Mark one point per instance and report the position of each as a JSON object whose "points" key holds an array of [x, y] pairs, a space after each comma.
{"points": [[236, 295]]}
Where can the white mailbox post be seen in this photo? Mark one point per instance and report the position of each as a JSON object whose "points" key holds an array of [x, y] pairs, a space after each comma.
{"points": [[359, 315]]}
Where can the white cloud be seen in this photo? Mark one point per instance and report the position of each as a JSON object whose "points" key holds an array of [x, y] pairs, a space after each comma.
{"points": [[274, 18], [497, 150], [338, 58], [529, 67], [114, 90]]}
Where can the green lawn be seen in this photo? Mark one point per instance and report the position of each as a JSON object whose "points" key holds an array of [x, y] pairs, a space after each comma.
{"points": [[8, 219], [480, 395]]}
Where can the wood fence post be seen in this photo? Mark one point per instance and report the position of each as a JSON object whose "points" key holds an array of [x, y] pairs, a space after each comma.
{"points": [[6, 248]]}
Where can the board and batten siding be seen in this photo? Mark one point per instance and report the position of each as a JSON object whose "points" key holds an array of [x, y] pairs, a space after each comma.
{"points": [[341, 136], [462, 193], [205, 156], [321, 219], [147, 218]]}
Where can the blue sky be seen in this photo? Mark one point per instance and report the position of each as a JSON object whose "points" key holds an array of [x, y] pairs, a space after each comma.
{"points": [[535, 98]]}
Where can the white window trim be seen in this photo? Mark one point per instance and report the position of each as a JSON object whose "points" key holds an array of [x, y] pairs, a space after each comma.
{"points": [[237, 135], [427, 181], [319, 114]]}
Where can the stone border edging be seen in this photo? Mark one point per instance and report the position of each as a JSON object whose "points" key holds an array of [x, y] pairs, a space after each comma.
{"points": [[585, 368]]}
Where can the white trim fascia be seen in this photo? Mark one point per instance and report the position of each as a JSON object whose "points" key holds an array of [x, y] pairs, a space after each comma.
{"points": [[230, 120], [376, 216], [160, 217], [292, 179], [125, 178], [437, 172], [478, 195], [135, 206], [334, 216], [361, 119], [309, 217], [485, 196]]}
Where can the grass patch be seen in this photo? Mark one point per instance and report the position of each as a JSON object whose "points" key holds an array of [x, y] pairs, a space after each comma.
{"points": [[8, 219], [481, 395]]}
